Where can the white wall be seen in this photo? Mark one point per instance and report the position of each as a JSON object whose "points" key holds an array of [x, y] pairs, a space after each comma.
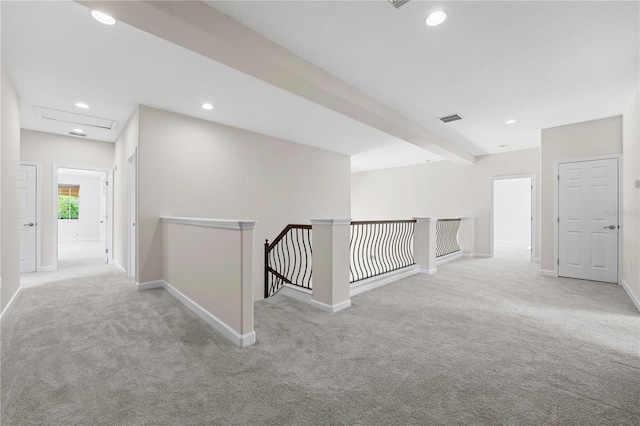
{"points": [[195, 168], [631, 197], [441, 189], [512, 210], [48, 149], [87, 226], [212, 267], [9, 173], [588, 139]]}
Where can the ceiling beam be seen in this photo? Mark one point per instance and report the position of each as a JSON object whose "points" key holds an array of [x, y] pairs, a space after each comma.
{"points": [[200, 28]]}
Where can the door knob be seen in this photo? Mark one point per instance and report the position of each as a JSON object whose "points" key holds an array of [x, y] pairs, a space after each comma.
{"points": [[29, 224], [610, 227]]}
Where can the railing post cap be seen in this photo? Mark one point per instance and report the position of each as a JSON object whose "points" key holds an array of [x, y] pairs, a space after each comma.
{"points": [[426, 219], [210, 223], [331, 222]]}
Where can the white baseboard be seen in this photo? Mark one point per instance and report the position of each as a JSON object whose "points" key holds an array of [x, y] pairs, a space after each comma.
{"points": [[241, 340], [449, 258], [31, 285], [150, 284], [633, 297], [47, 268], [120, 268], [379, 281], [331, 308], [297, 293], [428, 271], [482, 255], [7, 308], [547, 273]]}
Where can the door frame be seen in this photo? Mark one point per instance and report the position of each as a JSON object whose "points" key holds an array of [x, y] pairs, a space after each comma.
{"points": [[131, 214], [54, 188], [556, 202], [38, 167], [534, 209], [108, 211]]}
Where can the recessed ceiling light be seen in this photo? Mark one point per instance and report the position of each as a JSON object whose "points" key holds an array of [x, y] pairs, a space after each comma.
{"points": [[436, 18], [207, 106], [511, 122], [77, 131], [103, 18], [82, 105]]}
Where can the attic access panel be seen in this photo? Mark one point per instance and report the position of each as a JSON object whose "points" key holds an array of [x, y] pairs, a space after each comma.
{"points": [[73, 118]]}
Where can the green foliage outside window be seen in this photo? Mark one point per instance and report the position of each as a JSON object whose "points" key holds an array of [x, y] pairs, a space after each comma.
{"points": [[68, 202]]}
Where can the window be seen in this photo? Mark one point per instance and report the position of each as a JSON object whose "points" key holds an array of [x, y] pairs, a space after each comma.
{"points": [[68, 196]]}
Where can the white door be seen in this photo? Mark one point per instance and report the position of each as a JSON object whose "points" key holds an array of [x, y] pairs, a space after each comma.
{"points": [[28, 236], [106, 215], [131, 215], [588, 220], [108, 244]]}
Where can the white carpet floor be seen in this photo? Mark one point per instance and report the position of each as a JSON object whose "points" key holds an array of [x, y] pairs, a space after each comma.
{"points": [[481, 342]]}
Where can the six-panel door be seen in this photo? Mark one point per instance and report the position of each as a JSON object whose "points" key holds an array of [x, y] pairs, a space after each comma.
{"points": [[588, 220]]}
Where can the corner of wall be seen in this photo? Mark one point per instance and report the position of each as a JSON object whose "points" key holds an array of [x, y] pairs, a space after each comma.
{"points": [[126, 143], [9, 210], [578, 140], [630, 215]]}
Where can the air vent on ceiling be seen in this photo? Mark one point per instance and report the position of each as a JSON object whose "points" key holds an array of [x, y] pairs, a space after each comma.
{"points": [[450, 118], [397, 4], [73, 118]]}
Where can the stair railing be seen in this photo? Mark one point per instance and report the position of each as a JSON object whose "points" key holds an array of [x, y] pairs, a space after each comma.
{"points": [[378, 247], [288, 259], [447, 236]]}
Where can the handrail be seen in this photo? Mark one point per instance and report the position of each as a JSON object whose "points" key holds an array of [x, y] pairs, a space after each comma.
{"points": [[377, 247], [288, 259], [377, 222], [277, 274], [284, 232]]}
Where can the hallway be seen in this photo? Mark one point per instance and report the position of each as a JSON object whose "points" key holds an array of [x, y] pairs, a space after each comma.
{"points": [[481, 342], [76, 259]]}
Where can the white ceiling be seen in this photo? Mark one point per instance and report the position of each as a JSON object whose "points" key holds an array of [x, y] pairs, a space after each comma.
{"points": [[66, 173], [543, 63], [57, 55]]}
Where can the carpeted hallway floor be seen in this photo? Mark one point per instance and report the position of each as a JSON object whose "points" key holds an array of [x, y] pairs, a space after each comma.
{"points": [[482, 342]]}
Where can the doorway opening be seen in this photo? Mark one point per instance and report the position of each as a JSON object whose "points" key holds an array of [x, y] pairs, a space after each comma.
{"points": [[513, 217], [83, 217]]}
